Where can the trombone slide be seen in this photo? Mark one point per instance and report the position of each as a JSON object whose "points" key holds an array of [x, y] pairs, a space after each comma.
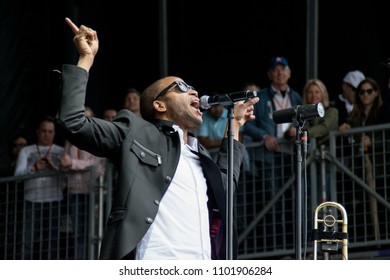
{"points": [[329, 237]]}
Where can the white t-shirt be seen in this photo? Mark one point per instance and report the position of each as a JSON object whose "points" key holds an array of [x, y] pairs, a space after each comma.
{"points": [[43, 189], [180, 230]]}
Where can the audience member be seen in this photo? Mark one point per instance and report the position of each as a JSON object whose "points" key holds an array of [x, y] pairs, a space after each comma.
{"points": [[132, 101], [110, 174], [43, 194], [212, 129], [251, 86], [370, 108], [315, 92], [18, 142], [370, 150], [345, 101], [109, 169], [79, 185], [11, 201], [109, 114], [248, 167], [162, 170], [275, 156]]}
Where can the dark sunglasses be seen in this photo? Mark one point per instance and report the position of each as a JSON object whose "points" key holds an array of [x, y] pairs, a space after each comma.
{"points": [[369, 91], [182, 85]]}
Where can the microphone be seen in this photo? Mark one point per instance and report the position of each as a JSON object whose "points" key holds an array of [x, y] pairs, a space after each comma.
{"points": [[300, 113], [226, 99]]}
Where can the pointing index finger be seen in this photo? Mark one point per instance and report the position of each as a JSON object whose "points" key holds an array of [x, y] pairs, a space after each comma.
{"points": [[74, 27]]}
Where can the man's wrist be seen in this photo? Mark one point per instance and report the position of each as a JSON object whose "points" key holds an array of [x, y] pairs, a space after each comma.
{"points": [[85, 62]]}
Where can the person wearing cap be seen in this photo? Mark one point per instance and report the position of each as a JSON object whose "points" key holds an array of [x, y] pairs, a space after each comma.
{"points": [[345, 101], [368, 151], [371, 107], [275, 151]]}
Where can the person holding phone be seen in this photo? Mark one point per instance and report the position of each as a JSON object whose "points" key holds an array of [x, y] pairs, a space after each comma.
{"points": [[42, 195]]}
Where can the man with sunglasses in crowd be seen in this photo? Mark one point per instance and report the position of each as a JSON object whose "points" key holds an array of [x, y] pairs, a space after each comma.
{"points": [[170, 200]]}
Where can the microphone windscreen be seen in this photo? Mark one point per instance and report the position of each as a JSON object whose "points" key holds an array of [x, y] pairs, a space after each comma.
{"points": [[284, 115], [204, 102]]}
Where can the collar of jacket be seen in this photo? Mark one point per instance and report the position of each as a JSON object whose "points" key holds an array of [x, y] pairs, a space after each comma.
{"points": [[273, 91], [165, 126]]}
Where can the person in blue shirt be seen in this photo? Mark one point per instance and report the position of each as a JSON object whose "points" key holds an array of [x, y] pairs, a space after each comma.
{"points": [[212, 130]]}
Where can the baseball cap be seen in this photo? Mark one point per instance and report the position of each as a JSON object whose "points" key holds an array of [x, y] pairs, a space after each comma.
{"points": [[277, 60], [354, 78]]}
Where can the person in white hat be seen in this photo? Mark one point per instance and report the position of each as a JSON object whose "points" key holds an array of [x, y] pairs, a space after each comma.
{"points": [[344, 102]]}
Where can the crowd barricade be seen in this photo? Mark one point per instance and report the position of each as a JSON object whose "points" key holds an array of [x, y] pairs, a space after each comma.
{"points": [[51, 230], [354, 176]]}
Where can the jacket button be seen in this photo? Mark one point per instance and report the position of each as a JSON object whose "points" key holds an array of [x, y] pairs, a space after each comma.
{"points": [[142, 154], [149, 220], [157, 202], [168, 179]]}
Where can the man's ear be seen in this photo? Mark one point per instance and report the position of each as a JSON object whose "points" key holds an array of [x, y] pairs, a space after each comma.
{"points": [[159, 106]]}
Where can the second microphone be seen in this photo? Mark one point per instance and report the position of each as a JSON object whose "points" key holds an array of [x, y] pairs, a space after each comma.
{"points": [[301, 113]]}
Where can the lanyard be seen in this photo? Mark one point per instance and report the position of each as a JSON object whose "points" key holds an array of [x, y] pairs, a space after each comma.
{"points": [[47, 152], [279, 104]]}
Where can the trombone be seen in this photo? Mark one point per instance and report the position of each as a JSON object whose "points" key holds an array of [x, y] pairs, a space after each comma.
{"points": [[328, 236]]}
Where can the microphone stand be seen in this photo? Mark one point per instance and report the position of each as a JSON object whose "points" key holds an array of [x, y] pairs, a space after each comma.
{"points": [[229, 191], [301, 139], [298, 114], [229, 105]]}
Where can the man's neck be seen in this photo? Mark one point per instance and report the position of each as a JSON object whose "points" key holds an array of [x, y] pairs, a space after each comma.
{"points": [[281, 88]]}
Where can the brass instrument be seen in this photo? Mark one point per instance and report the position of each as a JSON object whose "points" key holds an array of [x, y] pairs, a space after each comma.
{"points": [[328, 236]]}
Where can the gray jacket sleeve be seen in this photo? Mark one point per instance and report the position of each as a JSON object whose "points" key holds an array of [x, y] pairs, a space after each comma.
{"points": [[95, 135]]}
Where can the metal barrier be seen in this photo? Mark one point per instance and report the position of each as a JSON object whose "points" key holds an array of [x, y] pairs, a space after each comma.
{"points": [[346, 173], [361, 179], [65, 229]]}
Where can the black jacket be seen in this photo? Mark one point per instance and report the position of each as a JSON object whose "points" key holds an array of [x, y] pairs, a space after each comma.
{"points": [[146, 156]]}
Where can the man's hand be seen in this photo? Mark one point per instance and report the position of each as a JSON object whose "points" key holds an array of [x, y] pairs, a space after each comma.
{"points": [[65, 162], [343, 128], [271, 143], [243, 111], [86, 42], [44, 163]]}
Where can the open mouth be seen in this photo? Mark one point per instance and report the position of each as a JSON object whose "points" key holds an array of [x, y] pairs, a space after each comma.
{"points": [[195, 104]]}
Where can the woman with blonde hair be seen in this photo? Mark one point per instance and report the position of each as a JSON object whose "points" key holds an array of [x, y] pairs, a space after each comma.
{"points": [[315, 92]]}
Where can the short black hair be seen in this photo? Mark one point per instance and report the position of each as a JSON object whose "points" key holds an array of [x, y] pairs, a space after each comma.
{"points": [[132, 90]]}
